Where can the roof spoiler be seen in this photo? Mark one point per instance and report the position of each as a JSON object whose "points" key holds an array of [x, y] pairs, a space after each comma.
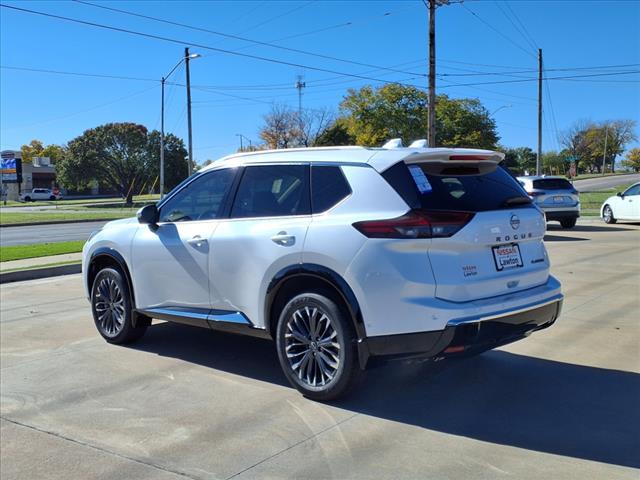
{"points": [[454, 160]]}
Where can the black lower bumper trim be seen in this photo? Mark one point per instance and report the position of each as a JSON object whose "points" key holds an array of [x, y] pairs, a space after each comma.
{"points": [[462, 339], [562, 215]]}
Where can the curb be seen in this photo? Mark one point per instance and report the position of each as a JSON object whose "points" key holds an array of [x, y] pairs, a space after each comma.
{"points": [[21, 275], [58, 222]]}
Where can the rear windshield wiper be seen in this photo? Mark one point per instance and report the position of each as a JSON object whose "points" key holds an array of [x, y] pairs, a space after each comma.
{"points": [[516, 201]]}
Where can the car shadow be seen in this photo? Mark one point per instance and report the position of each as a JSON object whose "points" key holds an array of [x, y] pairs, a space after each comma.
{"points": [[558, 238], [499, 397], [587, 228]]}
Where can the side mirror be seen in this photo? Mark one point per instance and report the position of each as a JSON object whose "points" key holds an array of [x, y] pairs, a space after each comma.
{"points": [[148, 215], [619, 194]]}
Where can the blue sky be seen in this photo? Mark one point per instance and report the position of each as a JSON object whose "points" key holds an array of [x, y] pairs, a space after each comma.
{"points": [[55, 108]]}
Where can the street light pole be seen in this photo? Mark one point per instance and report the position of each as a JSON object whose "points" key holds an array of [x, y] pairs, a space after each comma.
{"points": [[190, 162], [162, 141], [431, 112]]}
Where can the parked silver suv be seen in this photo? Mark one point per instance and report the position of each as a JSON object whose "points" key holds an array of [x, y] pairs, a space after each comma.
{"points": [[555, 196]]}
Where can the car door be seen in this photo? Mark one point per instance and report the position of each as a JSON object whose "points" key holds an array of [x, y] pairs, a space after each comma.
{"points": [[170, 261], [629, 203], [265, 233]]}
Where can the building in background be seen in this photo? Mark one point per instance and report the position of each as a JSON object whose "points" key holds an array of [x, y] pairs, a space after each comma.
{"points": [[19, 177]]}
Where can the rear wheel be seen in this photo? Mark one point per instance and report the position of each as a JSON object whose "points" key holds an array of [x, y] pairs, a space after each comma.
{"points": [[316, 346], [568, 222], [112, 308], [27, 199], [52, 197], [607, 215]]}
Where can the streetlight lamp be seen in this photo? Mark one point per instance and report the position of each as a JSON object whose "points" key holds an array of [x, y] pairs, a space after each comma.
{"points": [[241, 137], [163, 81], [500, 108]]}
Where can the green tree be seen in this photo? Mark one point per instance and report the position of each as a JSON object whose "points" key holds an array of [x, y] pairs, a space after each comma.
{"points": [[521, 160], [114, 154], [554, 163], [374, 115], [632, 159], [335, 134], [175, 160], [35, 148]]}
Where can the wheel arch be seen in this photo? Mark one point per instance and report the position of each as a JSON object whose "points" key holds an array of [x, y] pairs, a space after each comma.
{"points": [[105, 257], [296, 278]]}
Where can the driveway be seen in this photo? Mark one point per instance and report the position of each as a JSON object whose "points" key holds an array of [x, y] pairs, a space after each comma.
{"points": [[191, 403]]}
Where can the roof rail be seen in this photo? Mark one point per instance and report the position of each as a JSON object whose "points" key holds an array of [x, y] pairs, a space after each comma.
{"points": [[421, 143], [393, 143]]}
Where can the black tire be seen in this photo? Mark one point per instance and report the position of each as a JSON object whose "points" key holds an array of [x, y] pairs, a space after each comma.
{"points": [[346, 370], [27, 199], [568, 222], [52, 197], [112, 308], [607, 215]]}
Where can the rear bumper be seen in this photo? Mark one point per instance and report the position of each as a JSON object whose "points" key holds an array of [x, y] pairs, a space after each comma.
{"points": [[463, 336], [561, 214]]}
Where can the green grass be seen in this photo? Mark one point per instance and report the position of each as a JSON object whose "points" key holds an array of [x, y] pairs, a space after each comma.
{"points": [[63, 203], [590, 202], [585, 176], [8, 218], [20, 252]]}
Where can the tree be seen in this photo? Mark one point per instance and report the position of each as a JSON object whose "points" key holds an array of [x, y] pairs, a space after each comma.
{"points": [[175, 160], [335, 134], [35, 148], [373, 116], [521, 160], [281, 128], [114, 154], [554, 163], [633, 159]]}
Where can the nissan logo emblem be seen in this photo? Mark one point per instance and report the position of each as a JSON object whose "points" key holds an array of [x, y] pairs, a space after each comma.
{"points": [[515, 222]]}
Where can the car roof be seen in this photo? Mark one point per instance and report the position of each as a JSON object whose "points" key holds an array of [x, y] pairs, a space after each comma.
{"points": [[379, 158]]}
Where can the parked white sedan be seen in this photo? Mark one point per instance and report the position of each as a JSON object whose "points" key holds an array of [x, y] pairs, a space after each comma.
{"points": [[622, 206], [40, 194]]}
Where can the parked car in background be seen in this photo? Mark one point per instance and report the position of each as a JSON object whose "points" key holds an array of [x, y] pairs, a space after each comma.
{"points": [[622, 206], [341, 255], [40, 194], [555, 196]]}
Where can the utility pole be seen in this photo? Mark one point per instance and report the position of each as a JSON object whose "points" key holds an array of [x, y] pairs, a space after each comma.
{"points": [[186, 64], [300, 85], [162, 141], [431, 119], [604, 154], [539, 156]]}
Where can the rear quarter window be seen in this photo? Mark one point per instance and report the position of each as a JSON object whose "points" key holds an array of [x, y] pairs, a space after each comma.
{"points": [[470, 193], [328, 187]]}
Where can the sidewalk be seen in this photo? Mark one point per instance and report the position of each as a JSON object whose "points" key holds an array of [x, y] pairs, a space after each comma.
{"points": [[30, 263]]}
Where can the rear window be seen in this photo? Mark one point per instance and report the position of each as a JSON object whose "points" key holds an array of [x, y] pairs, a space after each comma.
{"points": [[552, 184], [470, 193]]}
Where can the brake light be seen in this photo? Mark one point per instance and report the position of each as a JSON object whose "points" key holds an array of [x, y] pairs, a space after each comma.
{"points": [[470, 158], [416, 224]]}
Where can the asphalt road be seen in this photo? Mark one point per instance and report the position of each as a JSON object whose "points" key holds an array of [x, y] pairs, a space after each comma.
{"points": [[189, 403], [604, 183], [47, 233]]}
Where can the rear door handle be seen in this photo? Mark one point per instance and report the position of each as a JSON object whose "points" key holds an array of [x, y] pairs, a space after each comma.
{"points": [[197, 241], [284, 239]]}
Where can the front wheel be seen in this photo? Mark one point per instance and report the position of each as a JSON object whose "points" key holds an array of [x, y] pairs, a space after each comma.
{"points": [[112, 308], [27, 199], [607, 215], [316, 346], [568, 222]]}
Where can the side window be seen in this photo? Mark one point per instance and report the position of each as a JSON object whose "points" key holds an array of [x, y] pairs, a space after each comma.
{"points": [[202, 199], [273, 190], [634, 190], [328, 187]]}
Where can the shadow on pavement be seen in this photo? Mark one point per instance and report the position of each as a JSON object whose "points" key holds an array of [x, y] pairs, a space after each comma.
{"points": [[558, 238], [587, 228], [499, 397]]}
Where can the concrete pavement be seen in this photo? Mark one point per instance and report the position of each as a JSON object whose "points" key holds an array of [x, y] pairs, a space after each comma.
{"points": [[189, 403], [47, 233], [604, 183]]}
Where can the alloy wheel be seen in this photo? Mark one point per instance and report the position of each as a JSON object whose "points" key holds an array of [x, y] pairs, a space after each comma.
{"points": [[312, 347], [109, 306]]}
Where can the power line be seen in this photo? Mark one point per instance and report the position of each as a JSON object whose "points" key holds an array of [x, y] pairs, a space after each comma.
{"points": [[206, 47], [497, 31], [264, 22], [79, 74], [526, 39], [546, 78], [245, 39], [524, 28]]}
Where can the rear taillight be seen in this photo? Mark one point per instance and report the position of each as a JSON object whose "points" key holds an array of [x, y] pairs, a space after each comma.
{"points": [[416, 224]]}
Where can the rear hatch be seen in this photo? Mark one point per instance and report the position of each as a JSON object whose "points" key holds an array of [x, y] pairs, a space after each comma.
{"points": [[554, 193], [498, 249]]}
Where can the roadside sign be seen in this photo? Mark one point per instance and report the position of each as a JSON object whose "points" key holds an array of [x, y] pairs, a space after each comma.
{"points": [[10, 167]]}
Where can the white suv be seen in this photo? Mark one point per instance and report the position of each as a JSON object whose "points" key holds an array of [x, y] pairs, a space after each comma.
{"points": [[40, 194], [344, 256]]}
